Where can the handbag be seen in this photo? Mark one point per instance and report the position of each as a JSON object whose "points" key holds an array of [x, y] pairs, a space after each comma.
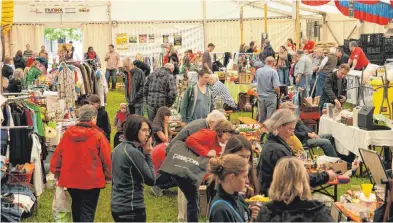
{"points": [[184, 163]]}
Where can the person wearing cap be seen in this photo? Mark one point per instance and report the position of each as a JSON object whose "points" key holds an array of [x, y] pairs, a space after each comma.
{"points": [[310, 138], [333, 88], [82, 164]]}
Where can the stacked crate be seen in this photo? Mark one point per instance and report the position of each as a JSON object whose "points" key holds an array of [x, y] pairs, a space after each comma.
{"points": [[373, 47]]}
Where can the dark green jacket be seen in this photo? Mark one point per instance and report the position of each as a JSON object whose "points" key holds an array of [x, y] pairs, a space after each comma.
{"points": [[32, 75], [188, 103], [228, 208]]}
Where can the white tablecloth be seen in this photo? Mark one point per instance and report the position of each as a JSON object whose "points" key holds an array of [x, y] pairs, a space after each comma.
{"points": [[349, 138]]}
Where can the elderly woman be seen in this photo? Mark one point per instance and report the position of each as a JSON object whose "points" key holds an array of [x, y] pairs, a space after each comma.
{"points": [[82, 164], [281, 127], [290, 196], [132, 167]]}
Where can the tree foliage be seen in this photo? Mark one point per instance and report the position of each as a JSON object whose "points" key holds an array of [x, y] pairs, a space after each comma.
{"points": [[55, 34]]}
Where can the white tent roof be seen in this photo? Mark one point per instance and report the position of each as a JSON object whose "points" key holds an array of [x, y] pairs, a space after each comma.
{"points": [[161, 10]]}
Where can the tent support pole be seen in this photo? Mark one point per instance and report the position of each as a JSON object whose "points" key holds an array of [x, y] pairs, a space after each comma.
{"points": [[297, 24], [241, 25], [265, 16], [204, 23], [110, 21], [334, 36], [353, 30]]}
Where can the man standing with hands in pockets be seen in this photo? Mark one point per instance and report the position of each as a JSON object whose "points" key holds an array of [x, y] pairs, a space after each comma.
{"points": [[112, 64]]}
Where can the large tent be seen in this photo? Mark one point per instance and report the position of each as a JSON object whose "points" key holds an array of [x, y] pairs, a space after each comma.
{"points": [[197, 21]]}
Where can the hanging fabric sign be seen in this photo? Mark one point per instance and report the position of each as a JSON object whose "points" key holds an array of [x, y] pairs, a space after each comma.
{"points": [[121, 41], [142, 38], [151, 38], [165, 38], [132, 39], [177, 40]]}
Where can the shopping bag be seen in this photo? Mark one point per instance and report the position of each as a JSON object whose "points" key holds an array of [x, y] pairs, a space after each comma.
{"points": [[61, 206], [184, 163]]}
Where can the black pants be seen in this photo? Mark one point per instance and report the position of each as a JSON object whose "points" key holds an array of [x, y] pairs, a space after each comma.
{"points": [[116, 140], [165, 181], [138, 215], [84, 204], [192, 195]]}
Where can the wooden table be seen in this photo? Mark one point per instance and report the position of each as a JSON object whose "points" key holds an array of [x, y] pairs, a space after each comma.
{"points": [[247, 120], [349, 214]]}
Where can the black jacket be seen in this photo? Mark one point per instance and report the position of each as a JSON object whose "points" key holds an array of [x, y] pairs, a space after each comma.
{"points": [[297, 211], [131, 169], [332, 88], [274, 149], [14, 86], [301, 131], [7, 71], [267, 52], [343, 59], [103, 122], [144, 67], [19, 62], [220, 211]]}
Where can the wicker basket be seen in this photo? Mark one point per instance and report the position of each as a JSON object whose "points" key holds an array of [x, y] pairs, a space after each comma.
{"points": [[19, 178]]}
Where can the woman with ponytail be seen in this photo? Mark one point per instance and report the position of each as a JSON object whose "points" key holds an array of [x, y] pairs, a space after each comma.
{"points": [[231, 173]]}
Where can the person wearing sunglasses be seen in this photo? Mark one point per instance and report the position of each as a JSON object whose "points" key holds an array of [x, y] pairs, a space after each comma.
{"points": [[132, 167]]}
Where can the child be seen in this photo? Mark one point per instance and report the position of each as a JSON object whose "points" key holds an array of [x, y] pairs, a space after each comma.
{"points": [[54, 64], [118, 123], [102, 116], [161, 126]]}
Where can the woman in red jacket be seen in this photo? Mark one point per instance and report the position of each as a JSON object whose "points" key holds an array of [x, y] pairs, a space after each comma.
{"points": [[82, 164], [206, 143]]}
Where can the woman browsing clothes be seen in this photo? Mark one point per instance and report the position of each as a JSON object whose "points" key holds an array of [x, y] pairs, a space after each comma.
{"points": [[231, 173], [132, 168]]}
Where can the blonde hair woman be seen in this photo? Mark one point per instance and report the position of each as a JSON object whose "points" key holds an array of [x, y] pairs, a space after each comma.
{"points": [[281, 127], [290, 193]]}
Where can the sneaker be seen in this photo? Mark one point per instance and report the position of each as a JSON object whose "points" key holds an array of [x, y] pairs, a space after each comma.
{"points": [[156, 191]]}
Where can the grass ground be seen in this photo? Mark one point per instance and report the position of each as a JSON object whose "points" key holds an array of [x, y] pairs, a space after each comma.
{"points": [[162, 209]]}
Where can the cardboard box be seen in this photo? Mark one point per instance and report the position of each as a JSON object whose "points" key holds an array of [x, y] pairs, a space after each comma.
{"points": [[339, 166]]}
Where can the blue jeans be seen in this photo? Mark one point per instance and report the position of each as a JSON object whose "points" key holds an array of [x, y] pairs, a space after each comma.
{"points": [[267, 105], [325, 142], [109, 74], [283, 74], [320, 83]]}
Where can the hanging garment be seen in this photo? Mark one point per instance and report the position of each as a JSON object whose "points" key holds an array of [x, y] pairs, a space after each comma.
{"points": [[35, 158], [85, 80], [102, 86], [20, 146], [80, 81], [67, 85]]}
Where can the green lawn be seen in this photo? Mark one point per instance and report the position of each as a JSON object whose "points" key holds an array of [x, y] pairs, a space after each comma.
{"points": [[163, 209]]}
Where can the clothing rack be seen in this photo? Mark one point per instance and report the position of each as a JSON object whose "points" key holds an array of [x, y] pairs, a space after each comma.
{"points": [[11, 94], [18, 98], [16, 127]]}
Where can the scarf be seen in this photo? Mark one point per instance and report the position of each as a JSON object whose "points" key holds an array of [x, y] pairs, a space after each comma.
{"points": [[282, 58], [91, 55], [129, 83], [121, 116]]}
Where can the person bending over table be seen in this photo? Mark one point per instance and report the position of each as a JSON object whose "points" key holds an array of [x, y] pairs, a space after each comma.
{"points": [[310, 138], [290, 196], [280, 127], [332, 91]]}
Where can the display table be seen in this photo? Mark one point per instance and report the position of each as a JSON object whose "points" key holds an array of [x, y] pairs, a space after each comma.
{"points": [[351, 139], [350, 215], [235, 89], [247, 120]]}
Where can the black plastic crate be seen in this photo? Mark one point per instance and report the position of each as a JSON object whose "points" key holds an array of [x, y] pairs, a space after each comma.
{"points": [[373, 50], [388, 56], [371, 39], [376, 57], [377, 62], [388, 45]]}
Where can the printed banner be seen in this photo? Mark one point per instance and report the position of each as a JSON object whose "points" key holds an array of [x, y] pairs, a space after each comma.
{"points": [[143, 38], [165, 39], [121, 41], [132, 39], [151, 38], [177, 40]]}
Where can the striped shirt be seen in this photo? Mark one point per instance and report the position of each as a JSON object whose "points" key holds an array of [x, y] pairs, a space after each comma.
{"points": [[27, 53], [219, 89]]}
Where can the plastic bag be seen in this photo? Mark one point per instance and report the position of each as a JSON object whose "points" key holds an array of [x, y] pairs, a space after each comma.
{"points": [[61, 206]]}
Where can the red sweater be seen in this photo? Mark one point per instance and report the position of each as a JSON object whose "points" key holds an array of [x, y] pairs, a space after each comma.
{"points": [[203, 141]]}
